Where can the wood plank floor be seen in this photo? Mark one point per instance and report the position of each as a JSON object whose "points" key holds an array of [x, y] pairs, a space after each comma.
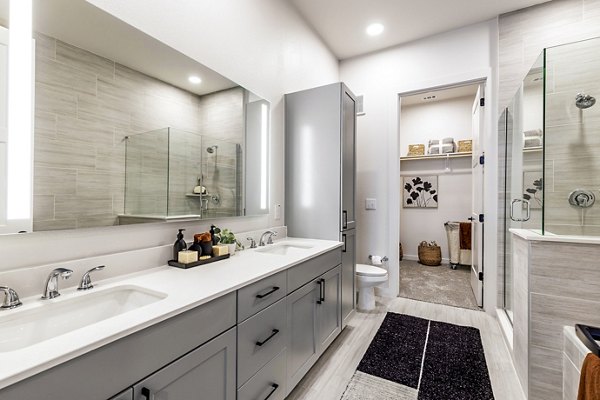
{"points": [[328, 378]]}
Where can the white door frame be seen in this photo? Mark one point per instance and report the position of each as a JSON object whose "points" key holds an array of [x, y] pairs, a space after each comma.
{"points": [[490, 178]]}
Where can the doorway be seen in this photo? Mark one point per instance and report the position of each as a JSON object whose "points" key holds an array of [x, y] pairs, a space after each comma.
{"points": [[441, 197]]}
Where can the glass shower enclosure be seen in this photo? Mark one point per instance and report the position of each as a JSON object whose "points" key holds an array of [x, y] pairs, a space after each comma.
{"points": [[174, 174], [549, 152]]}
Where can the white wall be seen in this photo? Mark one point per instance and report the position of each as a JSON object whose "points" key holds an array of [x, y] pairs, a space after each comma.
{"points": [[436, 120], [263, 45], [454, 189], [461, 55]]}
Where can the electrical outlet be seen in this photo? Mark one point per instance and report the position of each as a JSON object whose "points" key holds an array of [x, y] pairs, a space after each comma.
{"points": [[277, 211], [371, 204]]}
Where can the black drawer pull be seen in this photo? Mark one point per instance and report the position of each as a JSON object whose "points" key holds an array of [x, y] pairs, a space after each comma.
{"points": [[321, 283], [344, 219], [147, 393], [344, 240], [274, 388], [261, 296], [273, 333]]}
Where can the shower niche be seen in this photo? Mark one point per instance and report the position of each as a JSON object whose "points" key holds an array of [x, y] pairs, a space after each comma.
{"points": [[172, 174]]}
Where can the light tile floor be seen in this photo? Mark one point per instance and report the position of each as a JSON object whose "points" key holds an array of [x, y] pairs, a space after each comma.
{"points": [[328, 378]]}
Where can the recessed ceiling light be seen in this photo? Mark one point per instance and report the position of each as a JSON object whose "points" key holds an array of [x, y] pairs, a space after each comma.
{"points": [[194, 79], [375, 29]]}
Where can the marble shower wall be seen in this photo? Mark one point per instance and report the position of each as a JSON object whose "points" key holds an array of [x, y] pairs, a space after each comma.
{"points": [[85, 105]]}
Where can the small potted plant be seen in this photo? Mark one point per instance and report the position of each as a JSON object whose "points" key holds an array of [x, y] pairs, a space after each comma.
{"points": [[228, 238]]}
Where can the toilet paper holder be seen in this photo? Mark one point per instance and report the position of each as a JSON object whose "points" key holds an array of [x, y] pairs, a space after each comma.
{"points": [[383, 259]]}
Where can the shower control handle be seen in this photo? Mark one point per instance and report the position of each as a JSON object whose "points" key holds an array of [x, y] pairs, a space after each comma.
{"points": [[582, 198], [527, 213]]}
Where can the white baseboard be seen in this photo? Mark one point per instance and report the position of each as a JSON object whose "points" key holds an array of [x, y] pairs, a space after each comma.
{"points": [[411, 257]]}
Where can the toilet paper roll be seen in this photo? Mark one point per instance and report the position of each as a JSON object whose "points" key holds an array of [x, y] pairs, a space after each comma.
{"points": [[376, 260]]}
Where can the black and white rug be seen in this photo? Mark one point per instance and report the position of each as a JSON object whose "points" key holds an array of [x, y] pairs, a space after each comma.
{"points": [[413, 358]]}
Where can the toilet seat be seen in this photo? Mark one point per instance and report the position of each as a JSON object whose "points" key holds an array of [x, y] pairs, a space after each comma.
{"points": [[370, 270]]}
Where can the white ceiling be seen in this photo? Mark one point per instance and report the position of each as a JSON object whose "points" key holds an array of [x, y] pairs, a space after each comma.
{"points": [[342, 23]]}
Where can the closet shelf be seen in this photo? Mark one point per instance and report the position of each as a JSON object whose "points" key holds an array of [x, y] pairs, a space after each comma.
{"points": [[437, 156]]}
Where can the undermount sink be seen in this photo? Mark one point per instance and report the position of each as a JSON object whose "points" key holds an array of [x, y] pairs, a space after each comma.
{"points": [[56, 317], [285, 248]]}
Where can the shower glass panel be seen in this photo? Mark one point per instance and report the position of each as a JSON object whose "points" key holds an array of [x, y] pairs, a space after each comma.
{"points": [[147, 173], [221, 164], [520, 135], [572, 139], [171, 174]]}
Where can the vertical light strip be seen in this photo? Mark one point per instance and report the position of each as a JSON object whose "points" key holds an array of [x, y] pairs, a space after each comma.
{"points": [[19, 111], [264, 156]]}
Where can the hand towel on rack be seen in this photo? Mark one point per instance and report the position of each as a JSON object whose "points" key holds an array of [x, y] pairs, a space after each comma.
{"points": [[589, 381], [465, 235]]}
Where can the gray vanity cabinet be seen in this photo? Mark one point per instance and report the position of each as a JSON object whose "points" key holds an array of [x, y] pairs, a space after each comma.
{"points": [[329, 312], [348, 275], [303, 345], [205, 373], [314, 321]]}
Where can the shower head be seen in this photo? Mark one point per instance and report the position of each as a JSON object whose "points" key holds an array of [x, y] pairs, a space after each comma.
{"points": [[212, 149], [584, 101]]}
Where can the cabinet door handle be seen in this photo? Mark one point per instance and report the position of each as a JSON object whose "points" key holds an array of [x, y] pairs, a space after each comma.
{"points": [[344, 240], [273, 333], [273, 390], [147, 393], [323, 290], [320, 283], [261, 296], [345, 219]]}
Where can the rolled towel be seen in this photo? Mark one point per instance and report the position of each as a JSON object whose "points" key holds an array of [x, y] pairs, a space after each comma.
{"points": [[533, 133], [435, 149], [532, 142], [448, 140]]}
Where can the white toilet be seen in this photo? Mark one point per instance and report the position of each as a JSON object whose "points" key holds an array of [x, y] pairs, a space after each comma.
{"points": [[367, 277]]}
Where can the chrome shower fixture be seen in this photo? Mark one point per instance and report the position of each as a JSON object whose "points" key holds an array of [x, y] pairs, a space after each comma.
{"points": [[212, 149], [584, 101]]}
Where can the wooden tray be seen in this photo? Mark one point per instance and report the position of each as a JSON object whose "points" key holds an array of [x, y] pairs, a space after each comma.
{"points": [[177, 264]]}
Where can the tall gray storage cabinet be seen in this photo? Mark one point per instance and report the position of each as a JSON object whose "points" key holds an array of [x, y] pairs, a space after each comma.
{"points": [[320, 173]]}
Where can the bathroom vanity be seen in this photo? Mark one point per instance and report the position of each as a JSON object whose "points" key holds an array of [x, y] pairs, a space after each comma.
{"points": [[249, 327]]}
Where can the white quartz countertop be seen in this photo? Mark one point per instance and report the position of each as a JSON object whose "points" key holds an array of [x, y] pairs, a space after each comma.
{"points": [[185, 289]]}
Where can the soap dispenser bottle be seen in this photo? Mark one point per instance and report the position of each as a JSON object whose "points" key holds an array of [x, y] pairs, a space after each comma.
{"points": [[179, 245]]}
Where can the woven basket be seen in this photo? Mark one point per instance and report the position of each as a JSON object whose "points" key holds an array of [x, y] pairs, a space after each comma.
{"points": [[430, 255]]}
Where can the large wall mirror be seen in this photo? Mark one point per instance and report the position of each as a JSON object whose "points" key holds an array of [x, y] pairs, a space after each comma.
{"points": [[126, 129]]}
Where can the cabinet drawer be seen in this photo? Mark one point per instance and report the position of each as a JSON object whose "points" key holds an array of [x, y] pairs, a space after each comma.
{"points": [[126, 395], [260, 338], [307, 271], [261, 294], [269, 382]]}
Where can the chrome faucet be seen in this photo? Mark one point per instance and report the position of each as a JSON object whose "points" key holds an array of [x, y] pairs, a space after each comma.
{"points": [[270, 235], [51, 288], [86, 281], [252, 242], [11, 298]]}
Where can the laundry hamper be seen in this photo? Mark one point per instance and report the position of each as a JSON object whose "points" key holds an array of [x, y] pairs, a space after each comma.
{"points": [[453, 233]]}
